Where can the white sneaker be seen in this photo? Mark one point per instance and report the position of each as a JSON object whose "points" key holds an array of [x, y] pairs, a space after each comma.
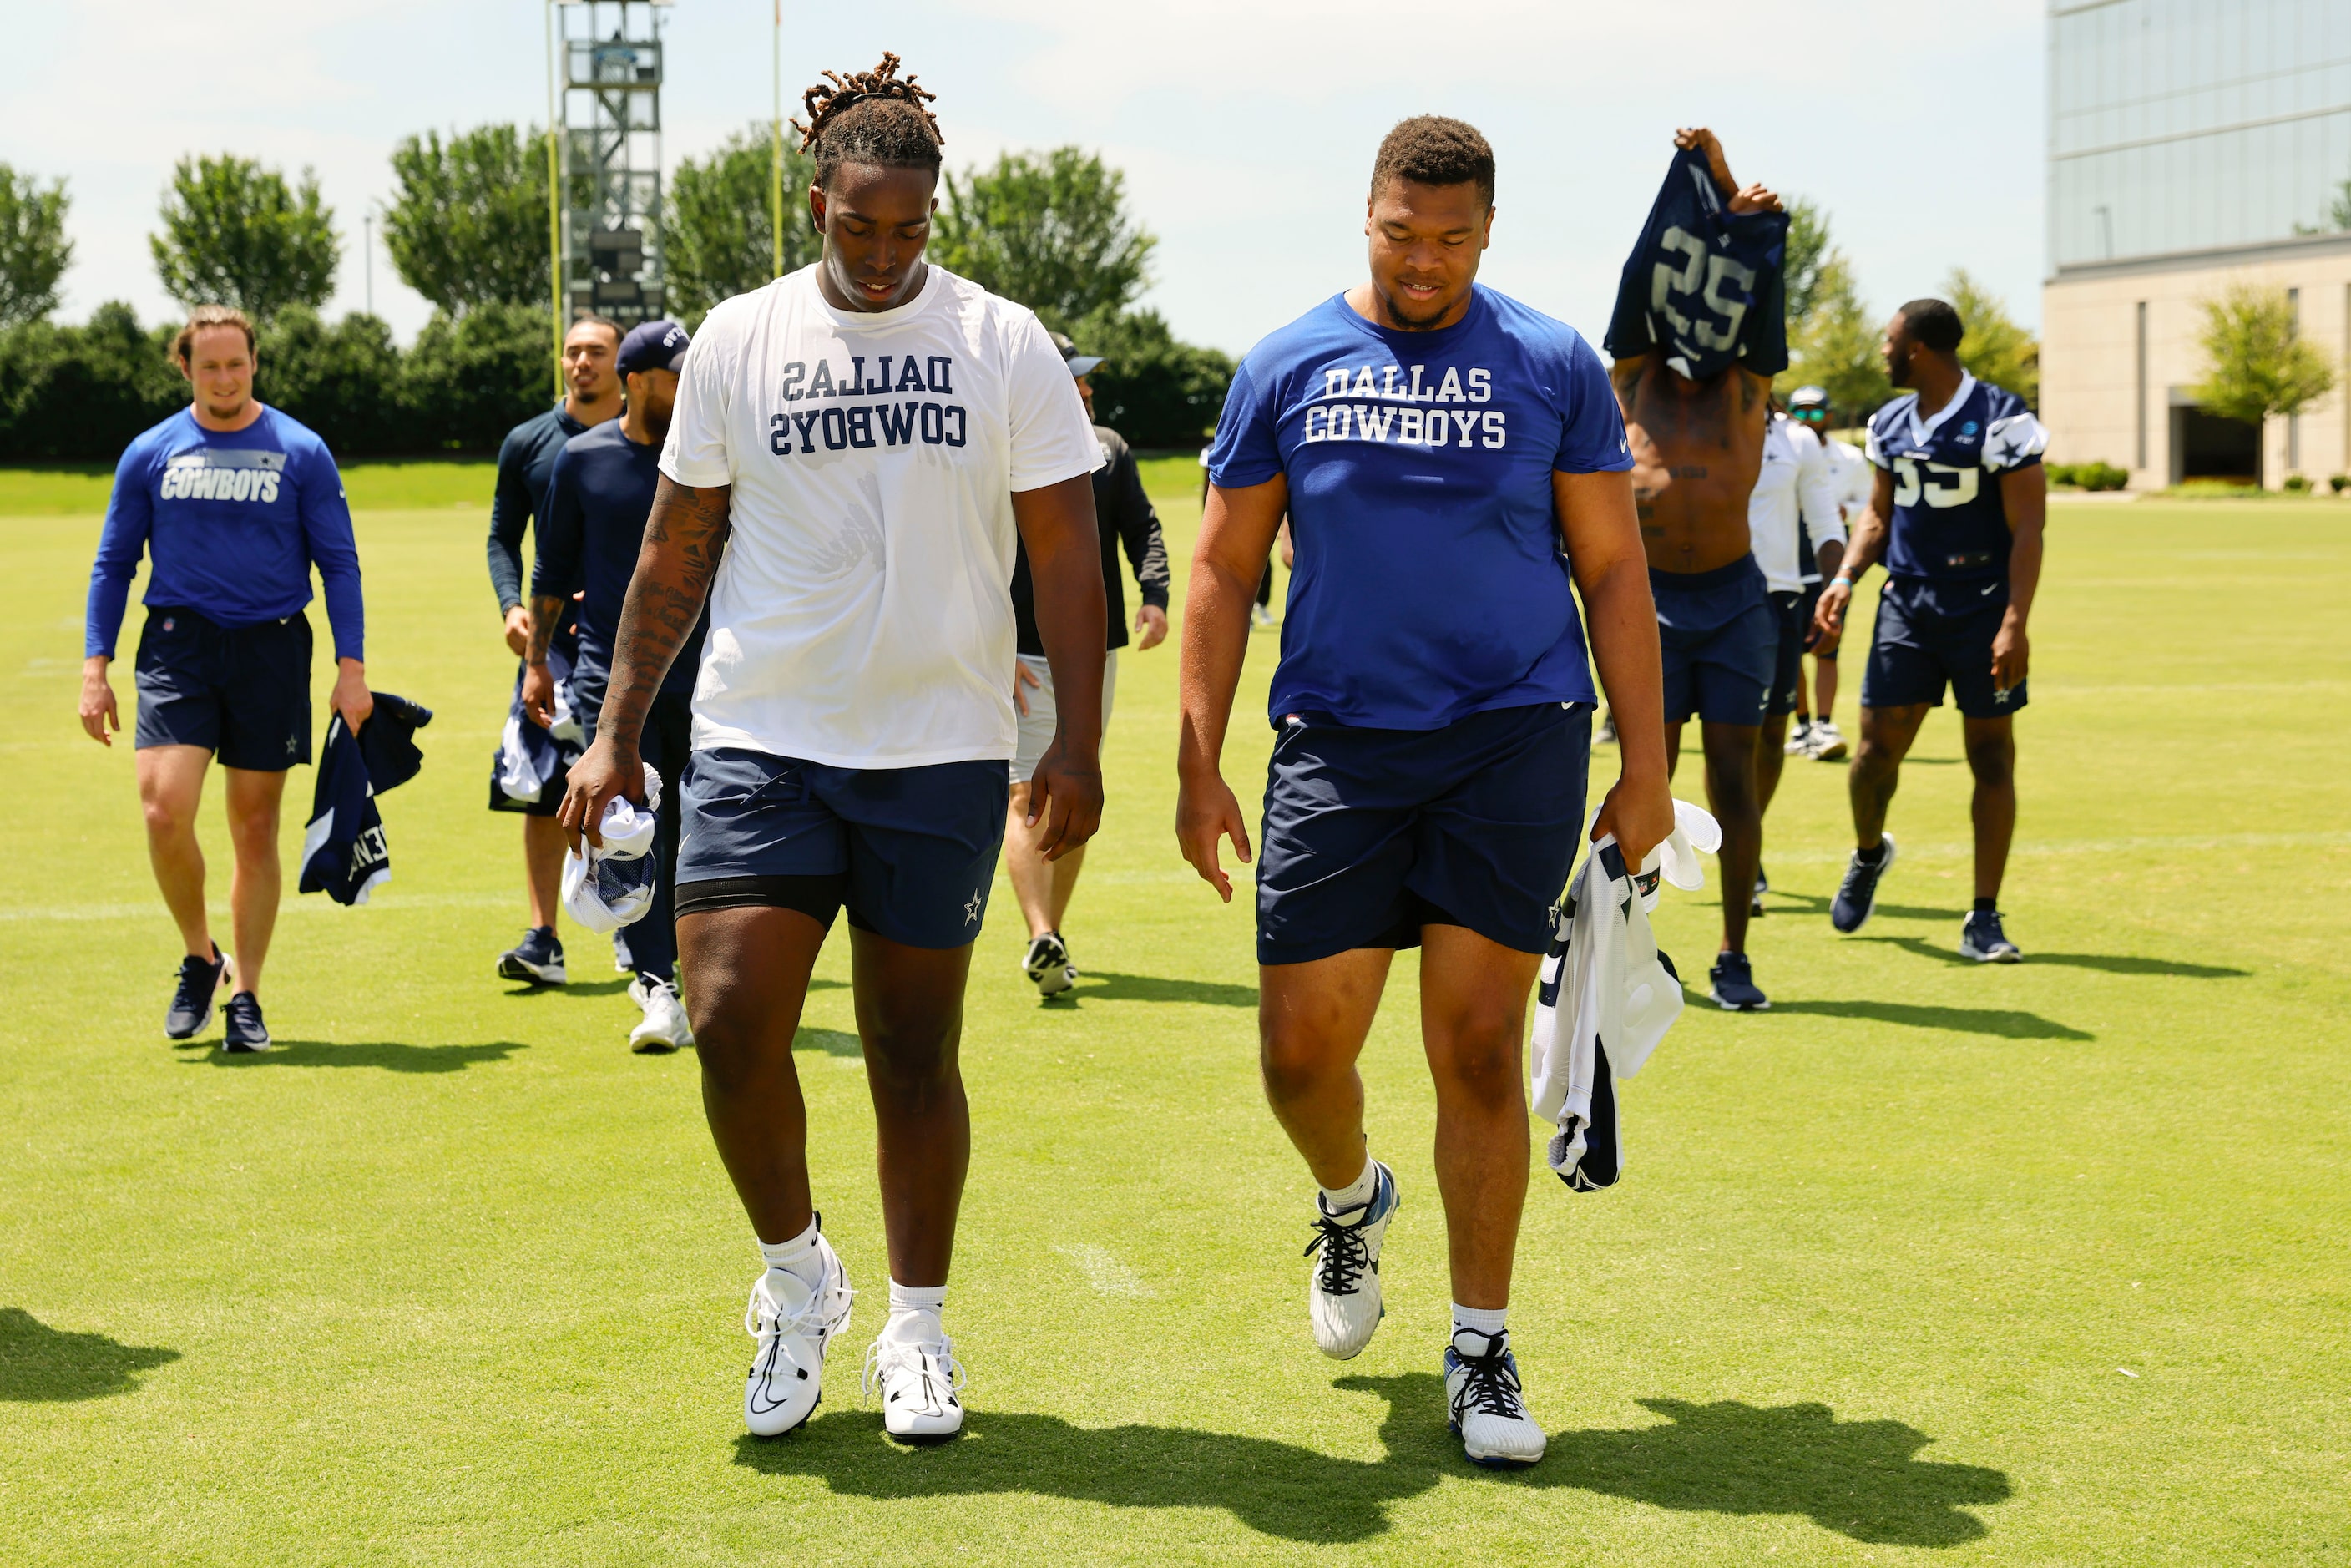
{"points": [[1048, 964], [1800, 738], [919, 1378], [663, 1026], [623, 961], [1484, 1404], [1342, 1297], [790, 1325], [1828, 741]]}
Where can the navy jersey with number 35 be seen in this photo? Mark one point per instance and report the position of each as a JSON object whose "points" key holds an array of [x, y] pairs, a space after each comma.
{"points": [[1950, 524]]}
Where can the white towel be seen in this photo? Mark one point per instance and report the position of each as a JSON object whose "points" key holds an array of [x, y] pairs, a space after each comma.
{"points": [[607, 887]]}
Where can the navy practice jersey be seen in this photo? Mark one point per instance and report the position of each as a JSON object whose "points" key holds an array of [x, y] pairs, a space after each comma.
{"points": [[1950, 524]]}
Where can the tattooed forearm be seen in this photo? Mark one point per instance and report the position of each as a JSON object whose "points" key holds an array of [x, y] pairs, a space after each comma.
{"points": [[685, 539], [546, 611]]}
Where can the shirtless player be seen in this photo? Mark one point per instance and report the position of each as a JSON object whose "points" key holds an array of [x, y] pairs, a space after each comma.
{"points": [[1698, 446]]}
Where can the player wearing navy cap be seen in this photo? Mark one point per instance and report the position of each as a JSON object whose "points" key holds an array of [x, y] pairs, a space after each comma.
{"points": [[1455, 472], [234, 503], [854, 450], [599, 495], [1957, 514], [592, 396]]}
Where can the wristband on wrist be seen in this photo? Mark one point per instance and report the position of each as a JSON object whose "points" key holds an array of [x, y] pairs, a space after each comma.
{"points": [[1843, 577]]}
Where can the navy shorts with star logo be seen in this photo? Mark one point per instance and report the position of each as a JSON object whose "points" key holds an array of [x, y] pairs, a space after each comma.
{"points": [[241, 691], [911, 852], [1930, 632]]}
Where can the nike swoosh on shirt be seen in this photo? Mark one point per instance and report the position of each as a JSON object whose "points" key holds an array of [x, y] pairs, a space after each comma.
{"points": [[1987, 590]]}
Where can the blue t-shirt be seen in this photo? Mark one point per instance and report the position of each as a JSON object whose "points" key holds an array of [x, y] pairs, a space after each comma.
{"points": [[1950, 521], [1430, 579], [234, 519], [590, 529]]}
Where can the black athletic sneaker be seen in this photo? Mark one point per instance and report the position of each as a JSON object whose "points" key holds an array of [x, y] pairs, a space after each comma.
{"points": [[246, 1031], [1982, 939], [191, 1004], [1734, 985], [538, 958], [1857, 894]]}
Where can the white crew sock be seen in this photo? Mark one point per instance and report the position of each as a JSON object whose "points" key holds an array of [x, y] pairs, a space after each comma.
{"points": [[797, 1258], [1484, 1320], [914, 1314], [1355, 1194]]}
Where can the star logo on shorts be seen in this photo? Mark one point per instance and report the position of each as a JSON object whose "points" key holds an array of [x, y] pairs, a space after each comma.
{"points": [[2001, 693], [971, 911]]}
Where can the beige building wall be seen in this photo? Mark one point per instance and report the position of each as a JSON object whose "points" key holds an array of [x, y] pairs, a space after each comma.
{"points": [[2103, 397]]}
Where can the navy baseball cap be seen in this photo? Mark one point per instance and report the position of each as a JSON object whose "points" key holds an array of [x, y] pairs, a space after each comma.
{"points": [[1080, 364], [653, 346]]}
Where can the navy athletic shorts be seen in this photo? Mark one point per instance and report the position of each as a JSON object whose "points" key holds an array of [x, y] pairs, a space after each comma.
{"points": [[241, 691], [1720, 638], [1370, 834], [1929, 633], [910, 851], [1812, 603], [1793, 622]]}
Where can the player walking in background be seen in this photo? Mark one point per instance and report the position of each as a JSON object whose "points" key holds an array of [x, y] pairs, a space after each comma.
{"points": [[525, 460], [1432, 707], [597, 497], [1126, 518], [1957, 516], [1816, 733], [1793, 522], [234, 502], [854, 450], [1695, 347]]}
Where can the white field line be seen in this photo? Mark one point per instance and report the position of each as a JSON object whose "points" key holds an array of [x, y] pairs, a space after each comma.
{"points": [[1105, 1273]]}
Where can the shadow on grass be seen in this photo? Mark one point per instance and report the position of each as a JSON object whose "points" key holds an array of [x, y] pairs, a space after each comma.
{"points": [[390, 1055], [1817, 904], [2112, 963], [1108, 987], [2004, 1023], [39, 1363], [831, 1042], [1860, 1479], [576, 989]]}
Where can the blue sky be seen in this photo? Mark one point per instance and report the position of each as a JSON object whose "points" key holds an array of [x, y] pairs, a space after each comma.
{"points": [[1246, 127]]}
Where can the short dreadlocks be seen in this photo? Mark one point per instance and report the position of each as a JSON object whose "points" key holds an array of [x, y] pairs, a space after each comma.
{"points": [[1431, 149], [870, 117]]}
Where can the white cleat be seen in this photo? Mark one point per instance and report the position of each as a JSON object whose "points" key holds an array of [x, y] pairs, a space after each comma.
{"points": [[1342, 1298], [919, 1379], [790, 1325], [1048, 965], [1484, 1404], [663, 1026], [1828, 741]]}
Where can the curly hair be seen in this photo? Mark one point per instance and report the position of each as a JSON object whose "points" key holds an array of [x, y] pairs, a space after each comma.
{"points": [[870, 117], [1432, 149], [1934, 323]]}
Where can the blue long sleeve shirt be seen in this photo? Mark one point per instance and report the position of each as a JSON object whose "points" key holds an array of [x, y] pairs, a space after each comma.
{"points": [[234, 521]]}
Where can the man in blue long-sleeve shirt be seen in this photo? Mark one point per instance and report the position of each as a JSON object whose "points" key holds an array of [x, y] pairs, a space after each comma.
{"points": [[234, 502], [592, 395], [594, 525]]}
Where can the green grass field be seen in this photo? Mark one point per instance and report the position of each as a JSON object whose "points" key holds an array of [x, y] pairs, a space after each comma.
{"points": [[1929, 1264]]}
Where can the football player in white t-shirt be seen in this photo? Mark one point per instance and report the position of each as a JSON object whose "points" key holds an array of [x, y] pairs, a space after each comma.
{"points": [[1816, 735], [854, 450]]}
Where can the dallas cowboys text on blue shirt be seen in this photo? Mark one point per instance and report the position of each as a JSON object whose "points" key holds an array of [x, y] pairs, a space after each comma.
{"points": [[891, 423]]}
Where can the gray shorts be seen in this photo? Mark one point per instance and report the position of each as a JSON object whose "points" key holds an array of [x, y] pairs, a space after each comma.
{"points": [[1038, 724]]}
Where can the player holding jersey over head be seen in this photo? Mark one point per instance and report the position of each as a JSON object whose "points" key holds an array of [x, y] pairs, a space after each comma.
{"points": [[853, 451], [1454, 470], [1958, 516]]}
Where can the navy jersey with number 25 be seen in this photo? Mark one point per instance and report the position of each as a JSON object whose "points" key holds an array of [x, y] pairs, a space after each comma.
{"points": [[1430, 583], [1950, 524]]}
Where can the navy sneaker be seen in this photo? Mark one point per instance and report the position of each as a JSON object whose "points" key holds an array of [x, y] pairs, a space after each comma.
{"points": [[246, 1032], [1734, 985], [537, 959], [1982, 939], [1857, 894], [191, 1003]]}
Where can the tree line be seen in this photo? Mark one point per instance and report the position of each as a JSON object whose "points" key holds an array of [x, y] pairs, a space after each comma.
{"points": [[466, 228]]}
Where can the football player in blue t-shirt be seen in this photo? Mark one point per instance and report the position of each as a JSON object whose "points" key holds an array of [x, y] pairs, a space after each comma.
{"points": [[1455, 472], [1957, 516]]}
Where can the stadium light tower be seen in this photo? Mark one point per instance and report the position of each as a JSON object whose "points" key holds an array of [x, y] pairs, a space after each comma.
{"points": [[607, 239]]}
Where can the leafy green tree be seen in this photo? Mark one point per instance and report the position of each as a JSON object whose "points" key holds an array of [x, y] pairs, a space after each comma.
{"points": [[2257, 362], [718, 228], [467, 225], [1996, 349], [1052, 232], [1153, 389], [343, 382], [1834, 345], [34, 250], [83, 392], [1808, 251], [234, 234], [470, 378]]}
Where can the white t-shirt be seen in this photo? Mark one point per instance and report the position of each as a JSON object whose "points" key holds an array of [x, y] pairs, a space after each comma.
{"points": [[862, 614], [1854, 483], [1794, 481]]}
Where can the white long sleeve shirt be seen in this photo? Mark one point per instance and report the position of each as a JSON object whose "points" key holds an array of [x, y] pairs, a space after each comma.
{"points": [[1797, 483]]}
